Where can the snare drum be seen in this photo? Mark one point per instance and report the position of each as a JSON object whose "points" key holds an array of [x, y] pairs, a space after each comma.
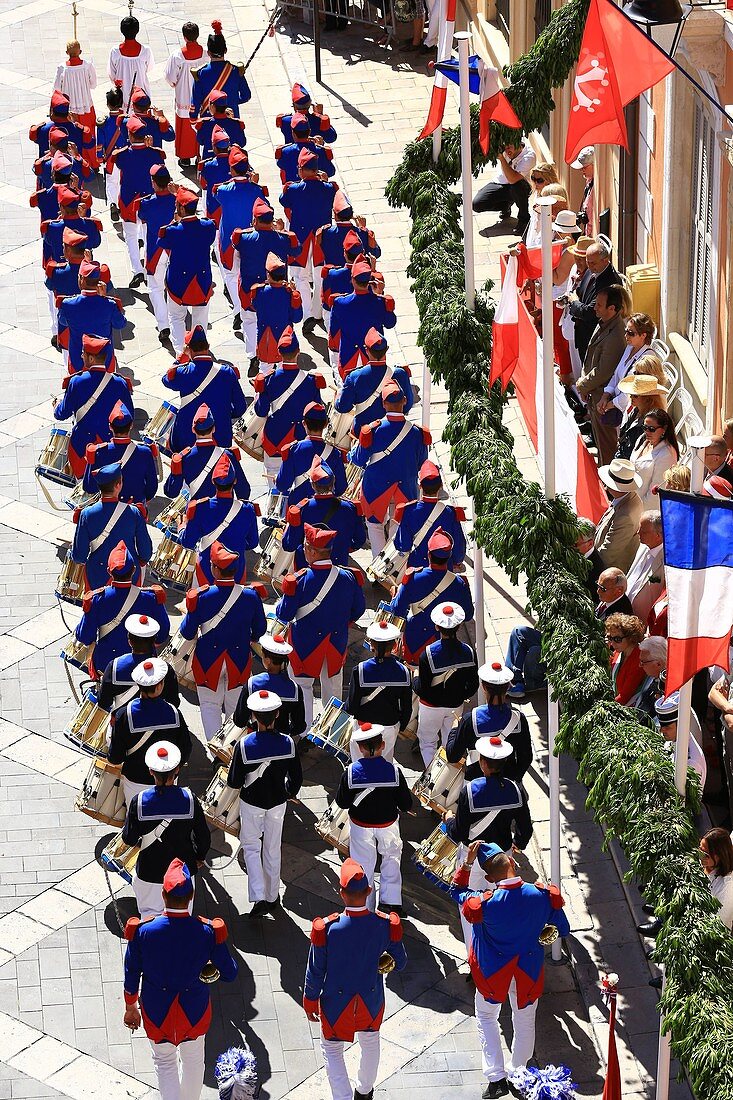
{"points": [[90, 726], [388, 567], [71, 583], [384, 614], [275, 563], [101, 795], [77, 654], [53, 462], [338, 429], [120, 857], [179, 655], [221, 804], [332, 730], [440, 784], [78, 498], [275, 510], [437, 858], [354, 474], [173, 564], [247, 433], [274, 626], [173, 515], [333, 826], [159, 426], [224, 741]]}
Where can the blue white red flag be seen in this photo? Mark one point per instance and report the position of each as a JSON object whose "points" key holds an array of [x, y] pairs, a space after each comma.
{"points": [[698, 564]]}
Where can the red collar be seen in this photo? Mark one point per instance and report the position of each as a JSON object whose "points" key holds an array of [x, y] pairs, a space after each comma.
{"points": [[190, 218], [121, 439], [510, 883], [130, 48], [109, 500], [192, 51], [289, 366], [395, 418], [224, 494], [75, 61], [90, 293], [439, 567], [361, 289], [225, 582], [325, 496], [202, 355], [205, 442], [176, 913], [121, 584], [430, 500], [361, 911], [377, 363]]}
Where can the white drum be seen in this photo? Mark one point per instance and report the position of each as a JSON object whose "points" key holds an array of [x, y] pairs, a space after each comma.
{"points": [[101, 795], [221, 804]]}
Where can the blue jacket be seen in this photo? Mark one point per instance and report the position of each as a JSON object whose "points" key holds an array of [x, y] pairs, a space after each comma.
{"points": [[188, 466], [236, 201], [93, 427], [105, 607], [411, 517], [390, 476], [53, 236], [254, 246], [286, 158], [90, 549], [188, 244], [320, 126], [275, 308], [285, 417], [213, 171], [223, 394], [233, 127], [330, 241], [308, 204], [362, 393], [341, 516], [223, 517], [419, 592], [230, 642], [322, 635], [139, 469], [351, 318], [293, 478], [207, 78], [155, 211], [88, 314]]}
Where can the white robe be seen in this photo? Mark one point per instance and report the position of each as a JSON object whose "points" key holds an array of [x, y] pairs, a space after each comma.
{"points": [[178, 75], [77, 82], [129, 69]]}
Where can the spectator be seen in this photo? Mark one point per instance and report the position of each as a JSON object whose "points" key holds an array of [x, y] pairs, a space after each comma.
{"points": [[720, 697], [678, 478], [617, 534], [653, 661], [612, 594], [667, 718], [511, 186], [601, 358], [586, 163], [639, 331], [715, 459], [623, 634], [645, 578], [716, 856], [645, 393], [728, 437], [584, 545], [654, 453], [656, 623], [533, 232], [602, 274]]}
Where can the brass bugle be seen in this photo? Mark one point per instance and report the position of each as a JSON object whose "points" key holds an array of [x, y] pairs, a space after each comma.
{"points": [[548, 935]]}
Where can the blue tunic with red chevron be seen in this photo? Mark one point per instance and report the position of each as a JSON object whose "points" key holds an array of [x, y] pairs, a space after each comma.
{"points": [[362, 392], [188, 244], [98, 530], [232, 127], [79, 135], [103, 619], [293, 478], [228, 643], [254, 246], [330, 242], [275, 307], [88, 314], [414, 515], [90, 397], [155, 211], [340, 516], [282, 397], [342, 979], [204, 381], [319, 603], [151, 126], [351, 318], [308, 205], [46, 202], [506, 925], [134, 163], [416, 596], [226, 78], [334, 280], [391, 451], [194, 468], [109, 137], [236, 200], [212, 172], [168, 954], [139, 469], [224, 518], [53, 235], [62, 278], [286, 158], [320, 126], [43, 170]]}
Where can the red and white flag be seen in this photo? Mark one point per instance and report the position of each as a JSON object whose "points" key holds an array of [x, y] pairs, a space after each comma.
{"points": [[505, 329], [440, 82], [494, 104]]}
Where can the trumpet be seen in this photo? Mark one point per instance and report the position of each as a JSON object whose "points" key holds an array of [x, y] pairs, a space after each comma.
{"points": [[386, 963], [548, 935], [210, 974]]}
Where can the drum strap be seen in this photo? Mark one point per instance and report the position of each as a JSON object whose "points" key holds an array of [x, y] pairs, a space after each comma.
{"points": [[127, 696], [420, 605], [361, 796], [252, 777], [398, 439], [305, 476], [117, 514], [442, 677], [373, 694], [90, 401], [361, 405], [198, 481], [210, 539], [213, 622], [183, 401], [278, 402], [314, 603], [224, 75], [483, 823], [435, 513], [141, 741], [150, 838], [121, 615]]}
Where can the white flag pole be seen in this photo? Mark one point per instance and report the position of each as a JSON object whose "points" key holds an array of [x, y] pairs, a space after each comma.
{"points": [[462, 38]]}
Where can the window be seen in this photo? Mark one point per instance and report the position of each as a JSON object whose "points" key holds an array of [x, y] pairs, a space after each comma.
{"points": [[502, 17], [542, 13], [701, 245]]}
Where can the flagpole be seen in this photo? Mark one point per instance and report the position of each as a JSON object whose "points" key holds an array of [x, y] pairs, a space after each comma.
{"points": [[462, 38], [442, 52], [425, 394]]}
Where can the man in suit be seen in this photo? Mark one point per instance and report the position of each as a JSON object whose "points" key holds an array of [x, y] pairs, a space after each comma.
{"points": [[645, 578], [601, 359], [617, 534], [612, 594], [715, 459], [602, 274]]}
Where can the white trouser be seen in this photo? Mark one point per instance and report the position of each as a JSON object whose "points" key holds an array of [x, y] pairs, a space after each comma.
{"points": [[338, 1078], [231, 281], [149, 897], [390, 739], [130, 789], [377, 537], [331, 687], [260, 833], [364, 843], [156, 290], [53, 311], [272, 465], [492, 1055], [180, 1070], [431, 38], [132, 235], [215, 703], [249, 332], [303, 277], [433, 727], [476, 881], [113, 186], [177, 321]]}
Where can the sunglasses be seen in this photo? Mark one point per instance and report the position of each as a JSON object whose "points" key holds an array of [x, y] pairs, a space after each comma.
{"points": [[614, 638], [630, 332], [537, 179], [601, 587], [650, 429]]}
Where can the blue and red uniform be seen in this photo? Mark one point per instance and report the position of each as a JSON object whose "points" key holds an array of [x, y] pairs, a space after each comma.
{"points": [[254, 246], [335, 280], [286, 158], [414, 514], [80, 135], [212, 173], [155, 211], [417, 595], [229, 645], [236, 200], [282, 398], [325, 509], [223, 517], [351, 318], [308, 205], [103, 620], [321, 636], [204, 381], [152, 127], [188, 244], [391, 451], [139, 469], [53, 235], [361, 392], [110, 136], [62, 278], [88, 314], [99, 528], [223, 76], [91, 425], [46, 201], [293, 478], [275, 307], [232, 127], [44, 171], [134, 163], [187, 468], [320, 125], [330, 242]]}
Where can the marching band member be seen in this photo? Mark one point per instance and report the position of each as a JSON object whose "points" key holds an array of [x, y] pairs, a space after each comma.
{"points": [[282, 397], [319, 602], [375, 792], [218, 75], [77, 79], [55, 172], [344, 983], [224, 618], [137, 460], [178, 73], [203, 380], [167, 823], [380, 691], [153, 212], [496, 716], [293, 479], [73, 213], [236, 198], [320, 124], [130, 62], [142, 630], [220, 518], [506, 956], [142, 724], [88, 313], [101, 526], [58, 116], [214, 170], [330, 238], [447, 676], [107, 610], [110, 137], [62, 159], [291, 720], [188, 282], [286, 156], [90, 396], [276, 304], [135, 162], [253, 246], [362, 387], [422, 589], [417, 519], [221, 118], [391, 451], [62, 276], [336, 281], [355, 313], [324, 509], [157, 126], [194, 466], [266, 768], [169, 954]]}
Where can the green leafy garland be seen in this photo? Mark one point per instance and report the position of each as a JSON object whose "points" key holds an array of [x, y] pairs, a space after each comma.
{"points": [[628, 772]]}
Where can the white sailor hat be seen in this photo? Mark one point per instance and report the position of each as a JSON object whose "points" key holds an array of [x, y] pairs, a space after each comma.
{"points": [[493, 748], [381, 631], [364, 731], [149, 672], [495, 673], [667, 709], [263, 701], [447, 615], [141, 626], [277, 644], [163, 757]]}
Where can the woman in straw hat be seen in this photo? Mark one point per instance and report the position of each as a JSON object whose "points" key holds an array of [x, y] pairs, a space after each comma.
{"points": [[655, 452], [639, 331], [645, 393]]}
